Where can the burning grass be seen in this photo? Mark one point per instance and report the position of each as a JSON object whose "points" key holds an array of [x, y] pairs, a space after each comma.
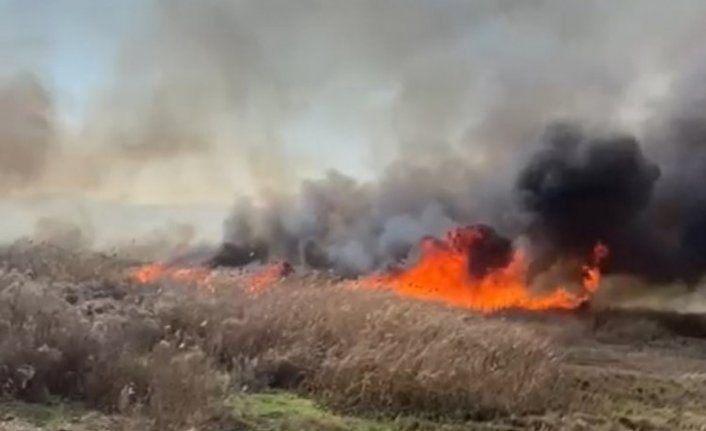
{"points": [[471, 268], [448, 272]]}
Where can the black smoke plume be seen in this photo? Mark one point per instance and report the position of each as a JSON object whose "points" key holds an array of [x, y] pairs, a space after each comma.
{"points": [[581, 189]]}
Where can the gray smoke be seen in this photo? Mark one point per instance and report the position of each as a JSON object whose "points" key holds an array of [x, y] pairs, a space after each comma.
{"points": [[27, 132], [356, 227], [678, 141], [210, 95], [439, 103], [466, 102]]}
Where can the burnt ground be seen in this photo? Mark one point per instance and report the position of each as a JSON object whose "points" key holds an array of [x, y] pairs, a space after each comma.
{"points": [[602, 369]]}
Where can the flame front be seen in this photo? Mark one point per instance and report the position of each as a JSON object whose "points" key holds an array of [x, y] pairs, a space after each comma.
{"points": [[255, 282], [266, 277], [442, 275], [153, 272]]}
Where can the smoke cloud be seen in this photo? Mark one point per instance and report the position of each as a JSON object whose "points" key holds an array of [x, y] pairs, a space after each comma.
{"points": [[354, 129], [581, 189], [464, 129], [27, 132], [221, 96]]}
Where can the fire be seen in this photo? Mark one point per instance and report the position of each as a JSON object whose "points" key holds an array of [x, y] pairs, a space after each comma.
{"points": [[442, 274], [255, 282], [153, 272], [261, 280], [591, 271]]}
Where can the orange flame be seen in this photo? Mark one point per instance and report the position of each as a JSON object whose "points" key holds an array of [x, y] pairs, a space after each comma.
{"points": [[591, 271], [442, 275], [261, 280], [255, 282], [153, 272]]}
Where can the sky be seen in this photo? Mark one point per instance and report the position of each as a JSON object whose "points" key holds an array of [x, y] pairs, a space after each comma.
{"points": [[71, 44]]}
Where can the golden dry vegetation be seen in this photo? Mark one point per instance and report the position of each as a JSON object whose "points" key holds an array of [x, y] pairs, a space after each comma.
{"points": [[87, 348]]}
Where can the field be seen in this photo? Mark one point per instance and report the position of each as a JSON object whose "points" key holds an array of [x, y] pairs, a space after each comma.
{"points": [[84, 347]]}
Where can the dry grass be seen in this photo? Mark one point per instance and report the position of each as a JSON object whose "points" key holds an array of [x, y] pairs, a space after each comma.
{"points": [[73, 326], [372, 351], [162, 350], [53, 344], [45, 261], [44, 345]]}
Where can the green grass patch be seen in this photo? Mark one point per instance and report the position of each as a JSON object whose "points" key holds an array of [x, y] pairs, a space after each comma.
{"points": [[42, 415], [281, 405], [284, 411]]}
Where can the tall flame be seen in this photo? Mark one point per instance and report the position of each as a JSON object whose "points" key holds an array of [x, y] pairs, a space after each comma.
{"points": [[442, 274], [592, 271]]}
